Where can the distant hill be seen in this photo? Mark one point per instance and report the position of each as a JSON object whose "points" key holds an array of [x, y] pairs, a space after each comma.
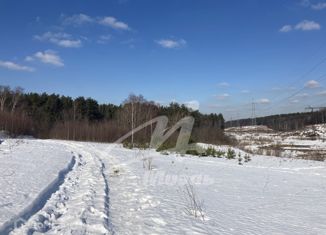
{"points": [[284, 122]]}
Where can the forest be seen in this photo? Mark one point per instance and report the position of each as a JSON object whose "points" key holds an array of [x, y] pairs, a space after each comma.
{"points": [[283, 122], [84, 119]]}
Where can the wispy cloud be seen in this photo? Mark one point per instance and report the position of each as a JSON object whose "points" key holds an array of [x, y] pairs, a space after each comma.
{"points": [[222, 96], [302, 95], [286, 28], [171, 43], [305, 25], [47, 57], [104, 39], [294, 101], [13, 66], [82, 19], [193, 104], [319, 6], [312, 84], [245, 91], [263, 101], [322, 93], [60, 39], [29, 58], [223, 84], [114, 23], [315, 6], [77, 19]]}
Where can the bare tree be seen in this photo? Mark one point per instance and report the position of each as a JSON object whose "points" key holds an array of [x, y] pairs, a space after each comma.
{"points": [[133, 107], [4, 95], [16, 94]]}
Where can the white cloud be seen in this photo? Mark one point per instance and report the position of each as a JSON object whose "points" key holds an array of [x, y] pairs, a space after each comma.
{"points": [[113, 23], [307, 25], [319, 6], [81, 19], [49, 57], [223, 84], [312, 84], [263, 101], [13, 66], [69, 43], [78, 19], [193, 104], [316, 6], [60, 39], [286, 28], [223, 96], [170, 43], [322, 93]]}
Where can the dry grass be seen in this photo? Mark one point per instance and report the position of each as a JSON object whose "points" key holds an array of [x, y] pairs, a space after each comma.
{"points": [[194, 206]]}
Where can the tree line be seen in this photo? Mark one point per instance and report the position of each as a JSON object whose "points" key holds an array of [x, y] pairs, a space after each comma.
{"points": [[84, 119], [284, 122]]}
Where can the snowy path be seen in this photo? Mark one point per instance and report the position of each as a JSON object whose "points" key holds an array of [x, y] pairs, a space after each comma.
{"points": [[105, 189], [80, 206], [30, 171]]}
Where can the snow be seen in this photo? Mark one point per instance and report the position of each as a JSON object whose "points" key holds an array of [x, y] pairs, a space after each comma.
{"points": [[107, 189], [29, 171], [306, 143]]}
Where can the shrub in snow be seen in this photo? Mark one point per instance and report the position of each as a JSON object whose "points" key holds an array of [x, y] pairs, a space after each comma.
{"points": [[127, 145], [220, 154], [193, 152], [239, 159], [210, 151], [247, 158], [230, 154]]}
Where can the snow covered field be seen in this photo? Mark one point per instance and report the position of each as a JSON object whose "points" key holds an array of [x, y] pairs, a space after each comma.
{"points": [[309, 143], [61, 187]]}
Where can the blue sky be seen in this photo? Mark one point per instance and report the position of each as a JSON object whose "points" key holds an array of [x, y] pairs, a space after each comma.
{"points": [[218, 55]]}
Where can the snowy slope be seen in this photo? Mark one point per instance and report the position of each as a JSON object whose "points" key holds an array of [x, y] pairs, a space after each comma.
{"points": [[266, 196], [110, 190], [308, 143]]}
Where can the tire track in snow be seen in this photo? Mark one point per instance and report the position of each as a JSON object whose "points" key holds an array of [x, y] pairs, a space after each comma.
{"points": [[39, 202], [80, 205]]}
